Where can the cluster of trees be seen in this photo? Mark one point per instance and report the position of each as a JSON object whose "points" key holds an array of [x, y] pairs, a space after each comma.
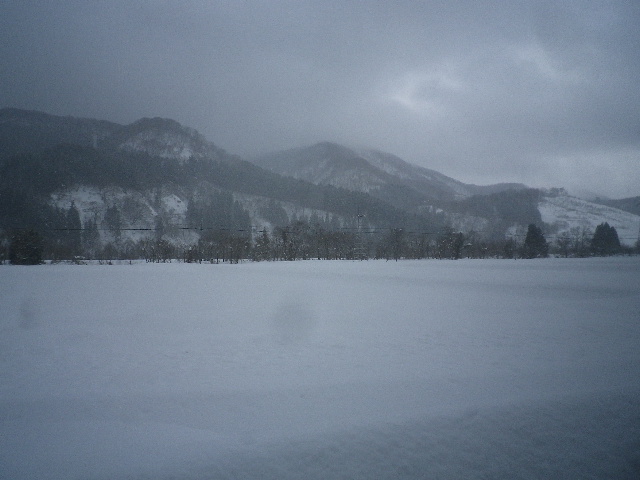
{"points": [[55, 153], [581, 242], [24, 248], [301, 240], [578, 242]]}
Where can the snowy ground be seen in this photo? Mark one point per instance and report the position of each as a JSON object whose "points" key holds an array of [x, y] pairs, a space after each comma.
{"points": [[321, 370]]}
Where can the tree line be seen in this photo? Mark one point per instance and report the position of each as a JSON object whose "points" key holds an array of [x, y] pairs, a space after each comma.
{"points": [[300, 240]]}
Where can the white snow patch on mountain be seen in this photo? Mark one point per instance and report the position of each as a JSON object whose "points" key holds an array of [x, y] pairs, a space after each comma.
{"points": [[90, 201], [161, 144], [566, 212], [468, 223], [174, 205], [136, 209]]}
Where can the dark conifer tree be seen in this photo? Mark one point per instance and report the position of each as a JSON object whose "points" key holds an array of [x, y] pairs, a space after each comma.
{"points": [[535, 245], [74, 229], [262, 248], [90, 238], [605, 240], [25, 248]]}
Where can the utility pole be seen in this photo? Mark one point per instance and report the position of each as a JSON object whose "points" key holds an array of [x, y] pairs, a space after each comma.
{"points": [[360, 251]]}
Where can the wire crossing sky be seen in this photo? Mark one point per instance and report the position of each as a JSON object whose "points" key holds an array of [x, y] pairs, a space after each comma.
{"points": [[544, 93]]}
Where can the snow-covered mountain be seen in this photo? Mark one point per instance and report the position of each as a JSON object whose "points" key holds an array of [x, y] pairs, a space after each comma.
{"points": [[371, 171], [631, 204], [564, 213], [29, 131], [326, 164], [163, 138], [150, 173], [158, 172], [429, 180], [507, 206]]}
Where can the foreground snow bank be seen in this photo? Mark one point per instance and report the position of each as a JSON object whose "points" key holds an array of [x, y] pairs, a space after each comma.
{"points": [[469, 369]]}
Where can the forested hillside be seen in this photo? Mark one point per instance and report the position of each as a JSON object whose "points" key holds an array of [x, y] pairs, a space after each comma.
{"points": [[158, 190]]}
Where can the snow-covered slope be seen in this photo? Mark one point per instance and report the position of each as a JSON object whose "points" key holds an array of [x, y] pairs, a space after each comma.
{"points": [[564, 212], [164, 138], [321, 370], [369, 170], [138, 184], [26, 131], [141, 210], [327, 164], [423, 178]]}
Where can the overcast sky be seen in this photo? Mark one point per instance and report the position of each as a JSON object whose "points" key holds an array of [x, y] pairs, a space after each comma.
{"points": [[545, 93]]}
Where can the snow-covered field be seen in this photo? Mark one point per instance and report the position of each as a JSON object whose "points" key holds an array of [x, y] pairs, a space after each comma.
{"points": [[492, 369]]}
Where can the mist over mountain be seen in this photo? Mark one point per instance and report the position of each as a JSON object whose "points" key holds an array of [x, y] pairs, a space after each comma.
{"points": [[131, 182], [157, 180], [631, 204], [380, 174], [28, 131]]}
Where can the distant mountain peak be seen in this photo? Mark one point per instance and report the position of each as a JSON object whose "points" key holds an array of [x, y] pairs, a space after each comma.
{"points": [[164, 138], [382, 174], [326, 163], [32, 131], [157, 122]]}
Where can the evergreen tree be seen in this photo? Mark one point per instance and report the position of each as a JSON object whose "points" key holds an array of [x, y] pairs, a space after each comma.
{"points": [[90, 238], [25, 248], [262, 248], [73, 226], [535, 245], [4, 246], [605, 240]]}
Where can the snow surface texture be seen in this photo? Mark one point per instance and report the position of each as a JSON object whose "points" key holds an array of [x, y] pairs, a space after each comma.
{"points": [[321, 370]]}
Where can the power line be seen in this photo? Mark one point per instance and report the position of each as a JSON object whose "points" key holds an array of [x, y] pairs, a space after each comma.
{"points": [[253, 228]]}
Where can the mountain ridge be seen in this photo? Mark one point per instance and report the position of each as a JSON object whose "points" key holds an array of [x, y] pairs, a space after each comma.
{"points": [[159, 175], [370, 171]]}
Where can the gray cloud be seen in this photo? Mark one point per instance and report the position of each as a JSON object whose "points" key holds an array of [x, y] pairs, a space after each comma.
{"points": [[545, 93]]}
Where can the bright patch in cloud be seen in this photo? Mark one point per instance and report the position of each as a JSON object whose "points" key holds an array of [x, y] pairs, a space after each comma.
{"points": [[534, 57], [424, 92]]}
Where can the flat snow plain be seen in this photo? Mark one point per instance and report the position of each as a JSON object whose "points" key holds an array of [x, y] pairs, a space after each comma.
{"points": [[468, 369]]}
